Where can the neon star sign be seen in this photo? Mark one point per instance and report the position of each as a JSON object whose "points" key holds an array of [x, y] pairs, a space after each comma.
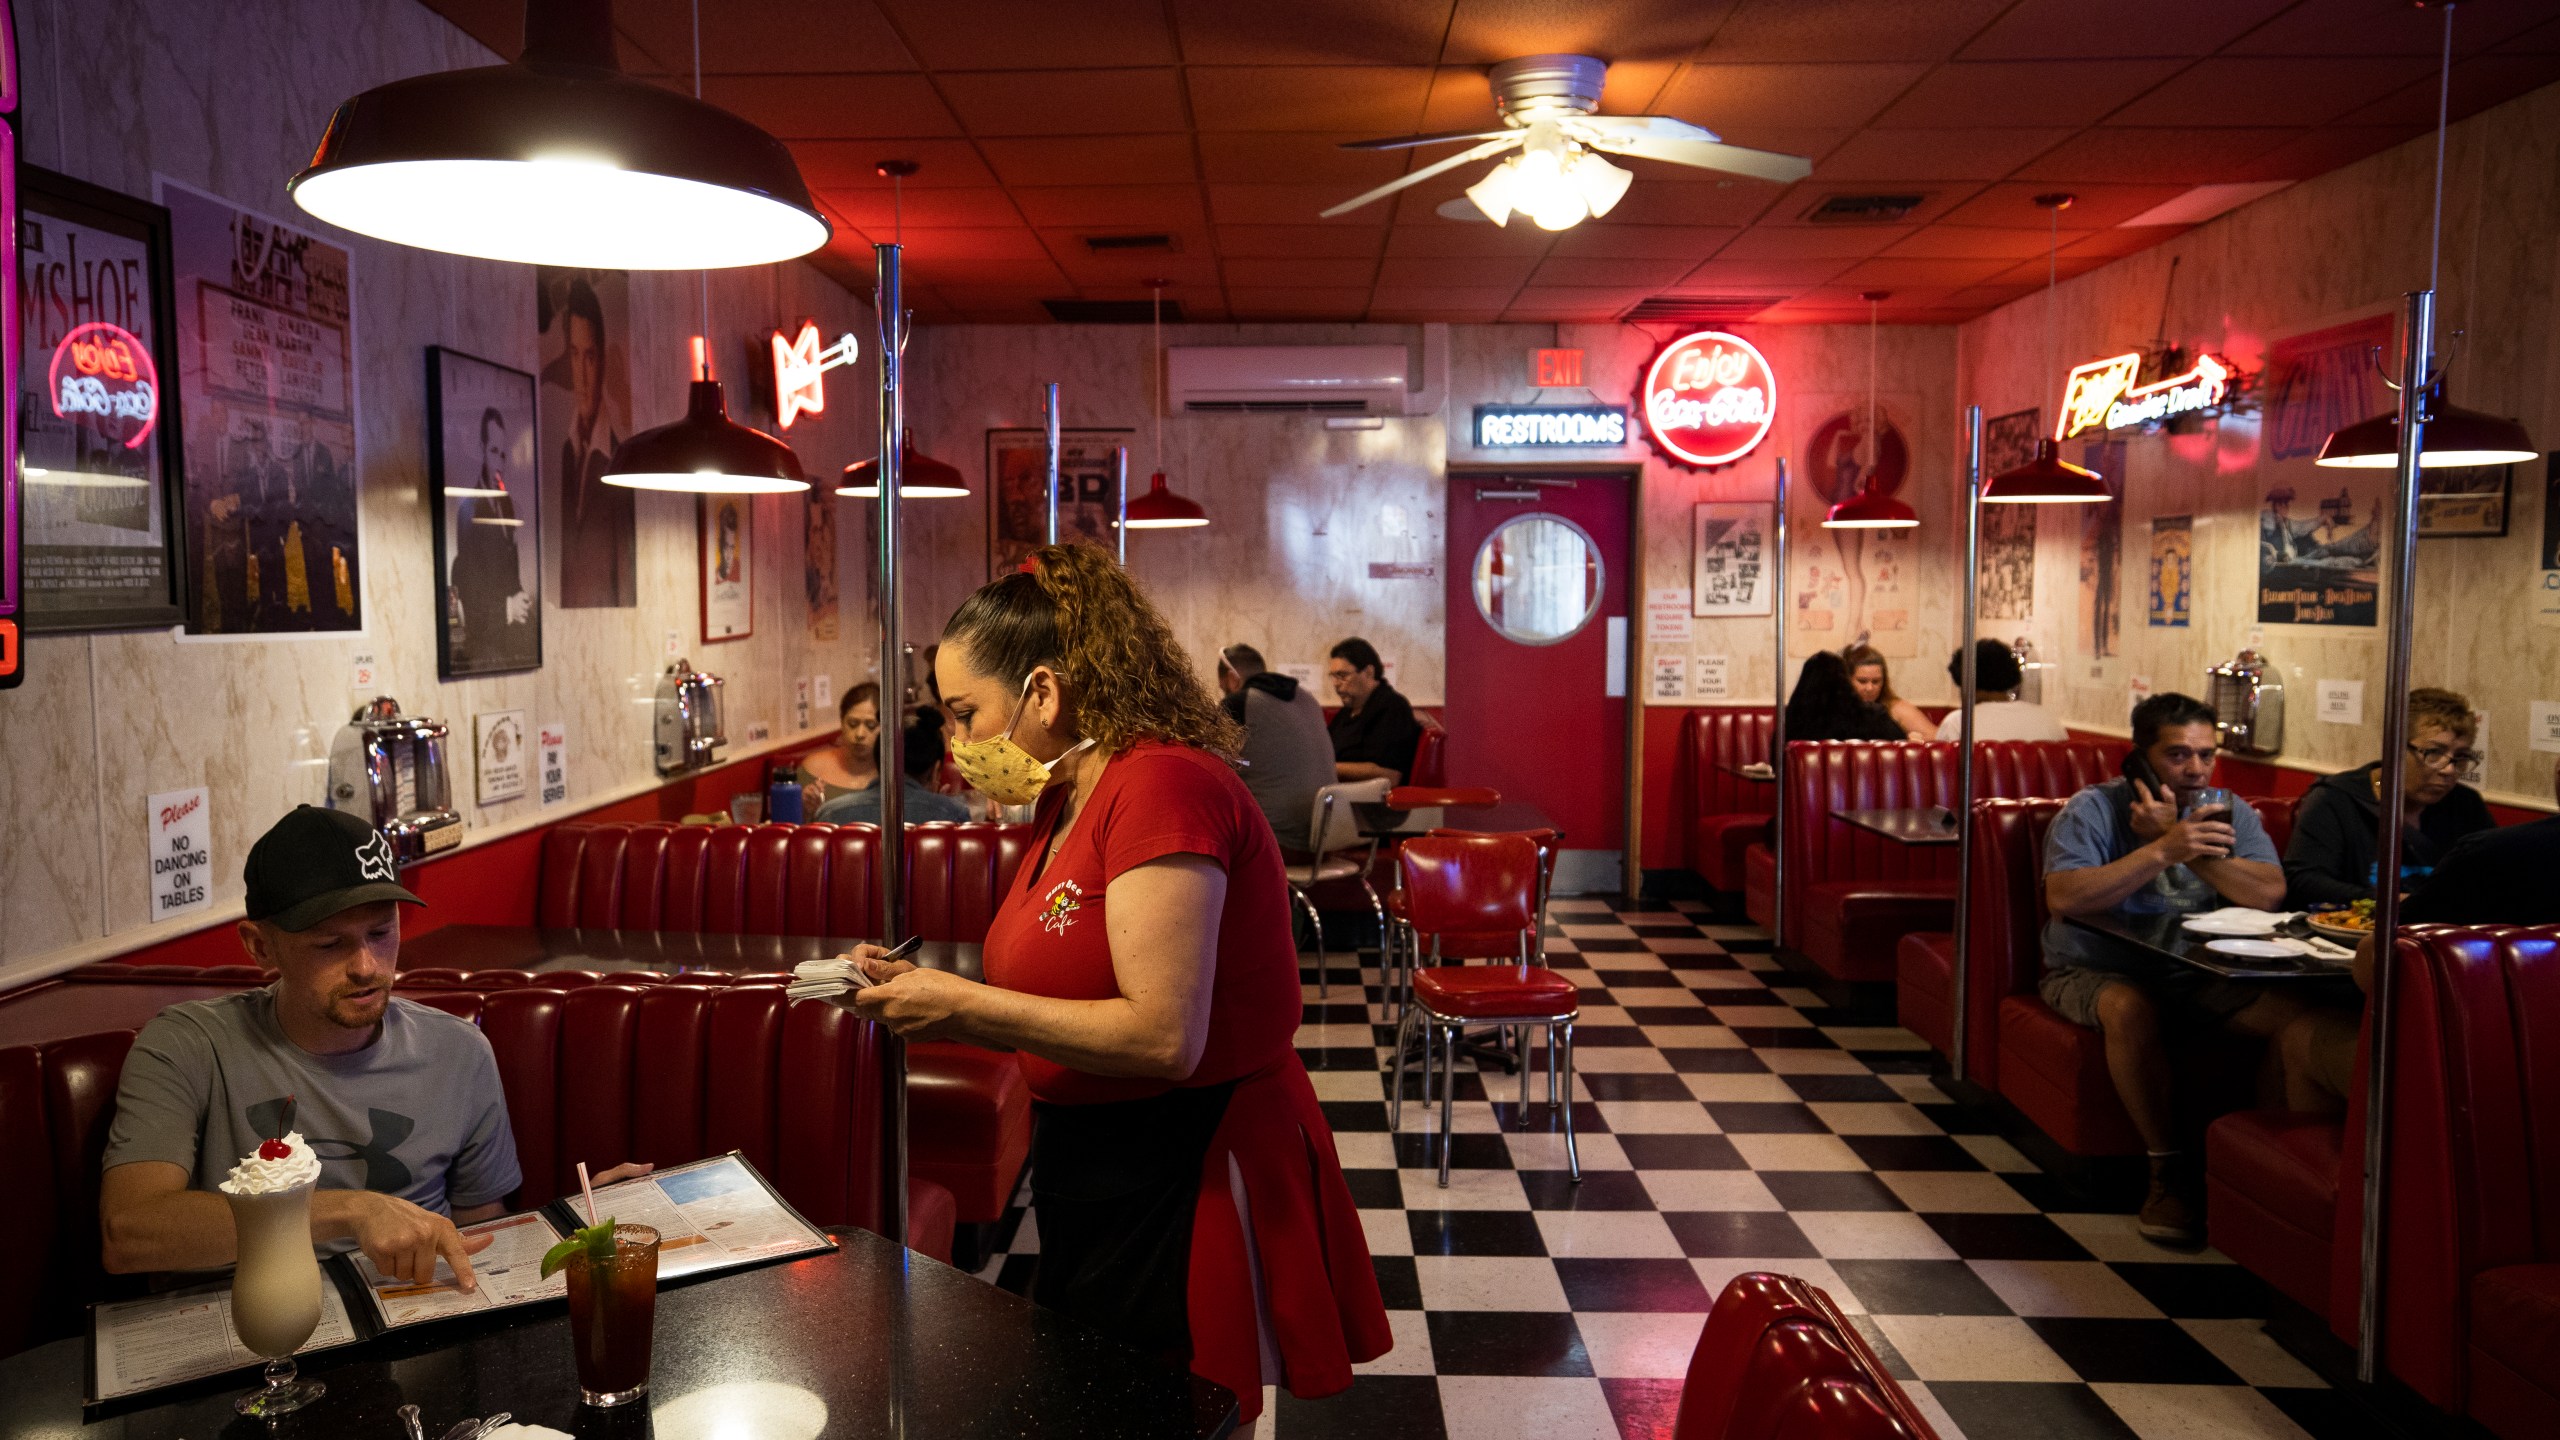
{"points": [[2101, 395], [800, 367]]}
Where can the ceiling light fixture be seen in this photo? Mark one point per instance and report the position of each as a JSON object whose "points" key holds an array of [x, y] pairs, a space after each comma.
{"points": [[2048, 479], [920, 476], [2450, 434], [1160, 508], [560, 159], [1872, 508]]}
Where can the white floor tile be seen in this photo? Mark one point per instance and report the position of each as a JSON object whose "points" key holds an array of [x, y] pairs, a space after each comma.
{"points": [[1871, 1235], [1813, 1062], [2112, 1238], [1972, 1192], [1467, 1190], [2083, 1289], [1658, 1117], [1916, 1089], [1348, 1084], [1608, 1060], [1387, 1231], [1741, 1089], [1541, 1150], [1693, 1037], [1412, 1352], [1721, 980], [1998, 1154], [1708, 1190], [1797, 1152], [1973, 1347], [1486, 1282], [1759, 1017], [1640, 1346], [1546, 1407], [1682, 945], [1877, 1118], [1608, 1234], [1365, 1149]]}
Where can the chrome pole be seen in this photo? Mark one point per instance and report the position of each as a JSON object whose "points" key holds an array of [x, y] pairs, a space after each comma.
{"points": [[2416, 359], [1956, 1036], [1049, 426], [893, 850], [1778, 724], [1120, 478]]}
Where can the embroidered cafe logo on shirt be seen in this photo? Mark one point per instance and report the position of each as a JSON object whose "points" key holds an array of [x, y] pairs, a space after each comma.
{"points": [[1060, 911]]}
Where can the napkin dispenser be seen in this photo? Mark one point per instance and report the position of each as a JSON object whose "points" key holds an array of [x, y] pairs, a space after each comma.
{"points": [[689, 729], [389, 768], [2247, 695]]}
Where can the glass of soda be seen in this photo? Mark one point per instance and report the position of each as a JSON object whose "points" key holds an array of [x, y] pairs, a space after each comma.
{"points": [[613, 1310]]}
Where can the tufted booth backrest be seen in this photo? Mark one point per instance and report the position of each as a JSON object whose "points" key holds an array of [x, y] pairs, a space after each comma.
{"points": [[771, 879], [2020, 769], [1713, 738], [1777, 1360]]}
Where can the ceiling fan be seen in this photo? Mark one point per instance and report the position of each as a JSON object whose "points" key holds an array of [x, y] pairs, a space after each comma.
{"points": [[1558, 178]]}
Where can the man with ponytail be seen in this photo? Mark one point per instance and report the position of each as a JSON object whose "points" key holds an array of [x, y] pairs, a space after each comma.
{"points": [[1189, 1198]]}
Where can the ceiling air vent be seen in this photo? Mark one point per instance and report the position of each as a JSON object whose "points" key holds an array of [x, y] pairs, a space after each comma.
{"points": [[1131, 244], [1863, 209], [1700, 309], [1110, 312]]}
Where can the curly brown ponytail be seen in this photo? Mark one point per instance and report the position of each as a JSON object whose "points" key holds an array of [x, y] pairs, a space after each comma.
{"points": [[1073, 609]]}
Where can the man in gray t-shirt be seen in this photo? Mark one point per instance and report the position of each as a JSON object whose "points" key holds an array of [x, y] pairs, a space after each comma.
{"points": [[1288, 754], [401, 1103]]}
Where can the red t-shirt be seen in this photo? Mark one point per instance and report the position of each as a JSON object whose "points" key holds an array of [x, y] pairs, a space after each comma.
{"points": [[1048, 937]]}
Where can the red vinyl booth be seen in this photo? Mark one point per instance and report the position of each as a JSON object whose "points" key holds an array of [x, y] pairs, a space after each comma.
{"points": [[2472, 1319], [968, 1110], [1778, 1361], [1725, 812], [601, 1073]]}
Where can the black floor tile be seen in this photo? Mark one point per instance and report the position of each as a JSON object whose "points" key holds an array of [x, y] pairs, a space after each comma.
{"points": [[1613, 1036], [1399, 1284], [1598, 1190], [1609, 946], [2326, 1414], [1911, 1152], [1337, 1012], [1783, 1037], [1542, 1120], [1751, 1118], [1830, 1190], [1987, 1410], [2131, 1352], [1339, 1057], [1644, 1014], [1740, 1232], [1677, 960], [1475, 1232], [1417, 1151], [1919, 1287], [1614, 1085], [1715, 1062], [1899, 1062], [1375, 1189], [1681, 1152], [1622, 1285], [1854, 1088], [2198, 1292], [2056, 1196], [1492, 1342], [1376, 1407], [2004, 1237], [1637, 979], [1739, 946], [1355, 1115]]}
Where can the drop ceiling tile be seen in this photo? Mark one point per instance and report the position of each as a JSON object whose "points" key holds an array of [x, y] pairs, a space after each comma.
{"points": [[1811, 242], [2079, 30], [1461, 98], [755, 36], [1926, 155], [1092, 159], [1363, 99], [1889, 273], [1290, 205], [1431, 297], [1289, 157], [1591, 307], [2287, 92], [2385, 27], [825, 107], [935, 270], [1937, 198], [1111, 207], [1584, 270], [1970, 242], [1438, 239], [1193, 264], [854, 164], [1728, 98], [2026, 93], [1721, 275], [1659, 197], [2011, 205], [1420, 312], [1299, 274], [1611, 240], [1984, 298], [2541, 40], [2125, 155], [1336, 303], [1065, 102], [2317, 152], [1310, 32], [2121, 241], [874, 208], [932, 247], [1485, 31], [1409, 271], [1277, 242], [1782, 30], [2033, 272], [1033, 34], [2478, 83]]}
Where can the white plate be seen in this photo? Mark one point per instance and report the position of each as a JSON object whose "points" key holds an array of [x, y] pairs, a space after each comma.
{"points": [[2254, 949], [2216, 922]]}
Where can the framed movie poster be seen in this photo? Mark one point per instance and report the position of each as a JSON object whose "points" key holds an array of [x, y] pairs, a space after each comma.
{"points": [[2464, 502], [584, 319], [2008, 575], [728, 535], [484, 501], [267, 389], [97, 429], [1017, 492]]}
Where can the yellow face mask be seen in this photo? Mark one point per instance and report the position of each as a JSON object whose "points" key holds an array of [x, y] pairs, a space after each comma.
{"points": [[1002, 770]]}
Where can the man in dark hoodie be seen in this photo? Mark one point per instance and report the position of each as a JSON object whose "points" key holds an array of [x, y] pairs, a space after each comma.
{"points": [[1288, 755], [2330, 860]]}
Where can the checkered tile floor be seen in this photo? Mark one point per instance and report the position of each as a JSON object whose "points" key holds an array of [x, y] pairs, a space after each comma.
{"points": [[1729, 1122]]}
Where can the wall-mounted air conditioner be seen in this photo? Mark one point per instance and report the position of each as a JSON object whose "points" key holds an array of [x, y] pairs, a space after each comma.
{"points": [[1308, 379]]}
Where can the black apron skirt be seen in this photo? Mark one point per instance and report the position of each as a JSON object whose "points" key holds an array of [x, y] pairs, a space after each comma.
{"points": [[1114, 1187]]}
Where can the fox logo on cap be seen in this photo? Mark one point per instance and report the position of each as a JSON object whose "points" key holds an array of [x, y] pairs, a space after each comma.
{"points": [[375, 859]]}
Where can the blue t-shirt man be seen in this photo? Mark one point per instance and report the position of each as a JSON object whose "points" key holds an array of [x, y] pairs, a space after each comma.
{"points": [[2096, 828]]}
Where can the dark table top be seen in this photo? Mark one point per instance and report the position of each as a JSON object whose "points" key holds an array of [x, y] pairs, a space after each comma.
{"points": [[869, 1339], [1924, 825], [1501, 816], [525, 947], [2167, 935]]}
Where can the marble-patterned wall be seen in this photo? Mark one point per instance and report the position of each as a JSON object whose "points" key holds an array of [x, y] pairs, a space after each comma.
{"points": [[2345, 244], [229, 98]]}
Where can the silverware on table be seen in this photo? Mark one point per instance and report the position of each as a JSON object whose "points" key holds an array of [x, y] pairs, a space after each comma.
{"points": [[492, 1423], [409, 1419], [463, 1430]]}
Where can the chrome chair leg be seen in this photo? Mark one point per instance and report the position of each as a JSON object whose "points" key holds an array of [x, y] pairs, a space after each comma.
{"points": [[1572, 1156], [1315, 922], [1395, 1096], [1551, 1067], [1521, 1033], [1448, 1096]]}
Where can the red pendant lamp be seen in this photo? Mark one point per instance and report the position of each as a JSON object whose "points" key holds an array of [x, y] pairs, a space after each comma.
{"points": [[920, 476], [1872, 508], [1160, 508], [706, 452], [2048, 479]]}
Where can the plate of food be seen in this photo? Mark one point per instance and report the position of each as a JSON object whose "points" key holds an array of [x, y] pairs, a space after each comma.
{"points": [[2349, 923]]}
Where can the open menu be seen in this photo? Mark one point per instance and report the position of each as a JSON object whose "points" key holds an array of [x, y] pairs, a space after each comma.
{"points": [[710, 1215]]}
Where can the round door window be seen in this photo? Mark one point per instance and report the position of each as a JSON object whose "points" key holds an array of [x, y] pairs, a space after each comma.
{"points": [[1538, 579]]}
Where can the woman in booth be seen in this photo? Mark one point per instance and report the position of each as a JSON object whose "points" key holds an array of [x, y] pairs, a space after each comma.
{"points": [[1874, 680], [852, 763], [1188, 1195], [1825, 705]]}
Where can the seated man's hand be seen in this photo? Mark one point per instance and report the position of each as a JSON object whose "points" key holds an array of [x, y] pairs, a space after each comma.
{"points": [[2154, 811], [627, 1170], [404, 1240], [2188, 840]]}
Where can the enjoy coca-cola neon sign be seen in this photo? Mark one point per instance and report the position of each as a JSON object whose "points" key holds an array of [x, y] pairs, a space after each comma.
{"points": [[1709, 398], [104, 373]]}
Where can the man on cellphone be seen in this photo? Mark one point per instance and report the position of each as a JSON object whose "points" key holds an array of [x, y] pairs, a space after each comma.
{"points": [[2138, 846], [399, 1101]]}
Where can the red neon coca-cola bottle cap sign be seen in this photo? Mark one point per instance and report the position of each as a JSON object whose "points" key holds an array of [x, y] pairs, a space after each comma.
{"points": [[1709, 398]]}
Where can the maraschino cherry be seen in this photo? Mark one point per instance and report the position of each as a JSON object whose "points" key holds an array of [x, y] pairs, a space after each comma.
{"points": [[274, 1150]]}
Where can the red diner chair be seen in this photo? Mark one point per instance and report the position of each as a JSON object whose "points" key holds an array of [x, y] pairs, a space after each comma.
{"points": [[1492, 945], [1477, 885]]}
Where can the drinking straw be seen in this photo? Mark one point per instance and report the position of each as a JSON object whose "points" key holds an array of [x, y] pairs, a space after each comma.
{"points": [[589, 1186]]}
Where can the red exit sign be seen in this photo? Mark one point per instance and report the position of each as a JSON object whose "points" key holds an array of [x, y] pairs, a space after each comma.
{"points": [[1556, 368]]}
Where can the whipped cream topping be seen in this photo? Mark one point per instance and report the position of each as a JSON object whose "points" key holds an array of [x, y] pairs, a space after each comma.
{"points": [[254, 1176]]}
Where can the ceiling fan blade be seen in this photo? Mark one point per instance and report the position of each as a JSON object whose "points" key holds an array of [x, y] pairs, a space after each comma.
{"points": [[1709, 155], [1407, 142], [1479, 152], [1593, 128]]}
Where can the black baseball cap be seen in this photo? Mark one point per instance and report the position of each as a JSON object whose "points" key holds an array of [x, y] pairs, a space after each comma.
{"points": [[314, 863]]}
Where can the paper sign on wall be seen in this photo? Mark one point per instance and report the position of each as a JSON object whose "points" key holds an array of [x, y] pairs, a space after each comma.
{"points": [[2139, 688], [1711, 676], [364, 676], [1666, 617], [180, 823], [553, 766], [505, 767], [2545, 731], [1670, 677], [800, 703], [822, 692], [2341, 701]]}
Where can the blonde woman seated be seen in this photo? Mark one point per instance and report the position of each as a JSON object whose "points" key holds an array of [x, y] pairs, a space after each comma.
{"points": [[1868, 672]]}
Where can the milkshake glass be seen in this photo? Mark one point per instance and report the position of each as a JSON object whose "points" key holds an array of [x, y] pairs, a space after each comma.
{"points": [[275, 1289]]}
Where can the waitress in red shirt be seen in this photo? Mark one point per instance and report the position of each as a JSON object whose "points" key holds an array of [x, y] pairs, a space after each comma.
{"points": [[1188, 1193]]}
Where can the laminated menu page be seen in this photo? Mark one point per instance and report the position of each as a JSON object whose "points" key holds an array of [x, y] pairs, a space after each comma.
{"points": [[509, 1272], [169, 1339], [712, 1214]]}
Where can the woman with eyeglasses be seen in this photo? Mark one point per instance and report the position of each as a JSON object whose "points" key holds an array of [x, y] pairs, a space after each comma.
{"points": [[2330, 860]]}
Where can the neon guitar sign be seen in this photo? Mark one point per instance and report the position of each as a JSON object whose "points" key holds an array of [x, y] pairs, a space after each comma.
{"points": [[800, 369]]}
